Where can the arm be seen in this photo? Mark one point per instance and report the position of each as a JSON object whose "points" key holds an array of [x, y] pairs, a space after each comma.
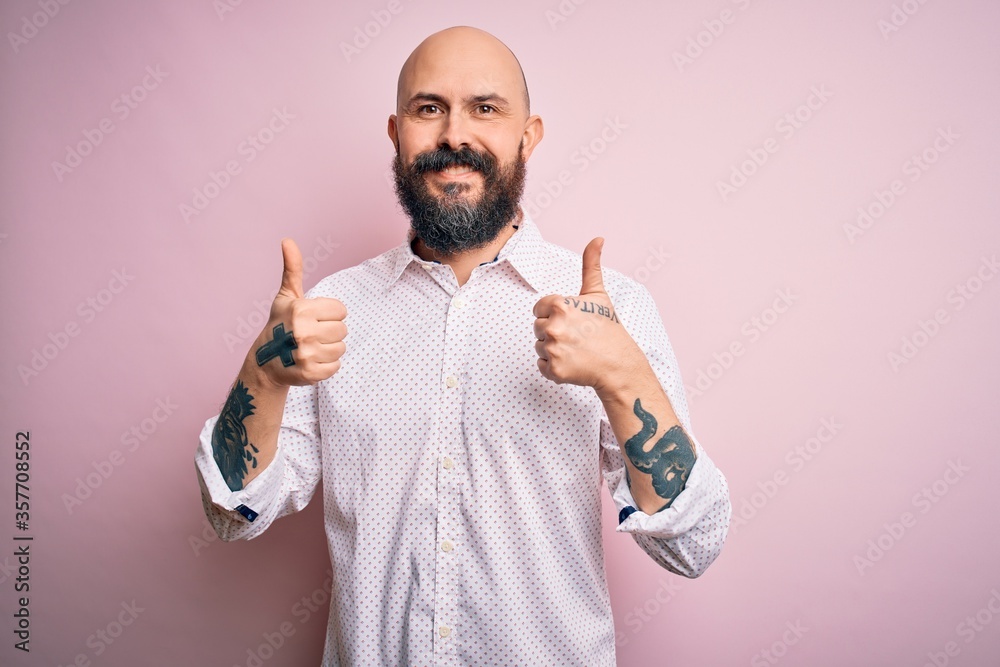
{"points": [[245, 435], [669, 493], [300, 346], [686, 535], [659, 455]]}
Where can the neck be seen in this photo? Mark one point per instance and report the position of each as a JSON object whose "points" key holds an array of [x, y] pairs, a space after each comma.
{"points": [[462, 263]]}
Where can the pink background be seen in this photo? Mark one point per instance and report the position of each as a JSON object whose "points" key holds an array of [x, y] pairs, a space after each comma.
{"points": [[172, 333]]}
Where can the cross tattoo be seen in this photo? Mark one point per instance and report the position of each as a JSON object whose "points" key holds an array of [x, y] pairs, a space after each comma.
{"points": [[281, 346]]}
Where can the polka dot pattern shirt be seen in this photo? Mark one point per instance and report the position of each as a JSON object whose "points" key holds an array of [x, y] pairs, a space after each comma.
{"points": [[462, 489]]}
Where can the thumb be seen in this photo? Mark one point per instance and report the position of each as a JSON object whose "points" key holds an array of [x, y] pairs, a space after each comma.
{"points": [[291, 277], [593, 280]]}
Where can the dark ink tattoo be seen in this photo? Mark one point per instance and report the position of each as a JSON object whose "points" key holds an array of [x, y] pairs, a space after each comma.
{"points": [[669, 461], [229, 439], [591, 307], [281, 346]]}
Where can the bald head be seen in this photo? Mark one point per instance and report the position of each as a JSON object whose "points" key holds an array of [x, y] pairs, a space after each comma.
{"points": [[467, 57]]}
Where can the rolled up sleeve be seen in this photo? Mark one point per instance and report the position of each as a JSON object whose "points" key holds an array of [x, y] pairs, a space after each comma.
{"points": [[286, 485], [686, 537]]}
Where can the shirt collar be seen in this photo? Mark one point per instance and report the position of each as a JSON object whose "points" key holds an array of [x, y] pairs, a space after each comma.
{"points": [[523, 250]]}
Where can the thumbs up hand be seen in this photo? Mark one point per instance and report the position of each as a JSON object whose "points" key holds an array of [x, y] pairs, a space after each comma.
{"points": [[304, 338], [579, 338]]}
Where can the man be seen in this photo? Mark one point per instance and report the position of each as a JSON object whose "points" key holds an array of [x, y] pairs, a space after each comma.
{"points": [[462, 434]]}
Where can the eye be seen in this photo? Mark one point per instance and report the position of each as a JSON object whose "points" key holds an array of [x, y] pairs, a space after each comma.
{"points": [[428, 108], [486, 109]]}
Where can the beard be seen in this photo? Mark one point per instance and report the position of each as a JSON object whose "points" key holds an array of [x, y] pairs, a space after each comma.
{"points": [[454, 222]]}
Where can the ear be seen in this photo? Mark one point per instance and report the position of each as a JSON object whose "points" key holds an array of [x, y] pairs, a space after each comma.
{"points": [[393, 131], [533, 131]]}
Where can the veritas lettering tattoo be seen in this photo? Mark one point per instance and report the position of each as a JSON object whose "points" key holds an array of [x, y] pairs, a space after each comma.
{"points": [[668, 461], [230, 445], [591, 307]]}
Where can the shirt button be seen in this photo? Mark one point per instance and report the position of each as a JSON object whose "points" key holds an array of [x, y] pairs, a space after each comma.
{"points": [[444, 631], [451, 381], [458, 303], [427, 267], [446, 546], [447, 463]]}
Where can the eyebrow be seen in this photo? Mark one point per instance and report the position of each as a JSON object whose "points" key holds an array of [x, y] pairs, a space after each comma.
{"points": [[475, 99]]}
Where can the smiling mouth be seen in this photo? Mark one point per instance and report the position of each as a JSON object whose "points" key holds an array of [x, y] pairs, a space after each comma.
{"points": [[457, 170]]}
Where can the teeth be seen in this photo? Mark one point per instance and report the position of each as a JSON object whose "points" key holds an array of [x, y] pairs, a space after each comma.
{"points": [[458, 170]]}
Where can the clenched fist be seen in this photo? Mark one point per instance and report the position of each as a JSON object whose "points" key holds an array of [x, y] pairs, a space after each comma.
{"points": [[304, 338], [579, 338]]}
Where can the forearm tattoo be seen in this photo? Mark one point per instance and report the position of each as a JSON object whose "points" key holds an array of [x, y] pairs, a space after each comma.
{"points": [[280, 346], [591, 307], [230, 445], [669, 461]]}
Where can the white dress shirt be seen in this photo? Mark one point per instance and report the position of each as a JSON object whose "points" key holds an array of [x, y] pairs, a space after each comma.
{"points": [[462, 489]]}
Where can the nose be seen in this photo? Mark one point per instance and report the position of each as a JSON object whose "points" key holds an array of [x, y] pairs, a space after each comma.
{"points": [[454, 132]]}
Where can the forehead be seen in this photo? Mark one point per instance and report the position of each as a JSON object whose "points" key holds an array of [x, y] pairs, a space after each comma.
{"points": [[457, 71]]}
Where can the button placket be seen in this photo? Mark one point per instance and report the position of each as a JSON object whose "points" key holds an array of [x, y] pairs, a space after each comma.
{"points": [[448, 534]]}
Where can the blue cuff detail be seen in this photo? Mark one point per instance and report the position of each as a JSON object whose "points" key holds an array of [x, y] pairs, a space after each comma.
{"points": [[249, 514], [626, 513]]}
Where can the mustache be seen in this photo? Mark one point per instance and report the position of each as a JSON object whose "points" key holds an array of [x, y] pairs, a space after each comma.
{"points": [[442, 158]]}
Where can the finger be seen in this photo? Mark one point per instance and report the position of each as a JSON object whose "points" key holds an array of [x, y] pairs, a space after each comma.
{"points": [[330, 332], [593, 280], [330, 352], [327, 310], [324, 353], [291, 276], [540, 326], [546, 370], [318, 371], [543, 307], [540, 350]]}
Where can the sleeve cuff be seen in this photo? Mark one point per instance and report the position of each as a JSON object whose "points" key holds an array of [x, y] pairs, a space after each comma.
{"points": [[246, 502]]}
